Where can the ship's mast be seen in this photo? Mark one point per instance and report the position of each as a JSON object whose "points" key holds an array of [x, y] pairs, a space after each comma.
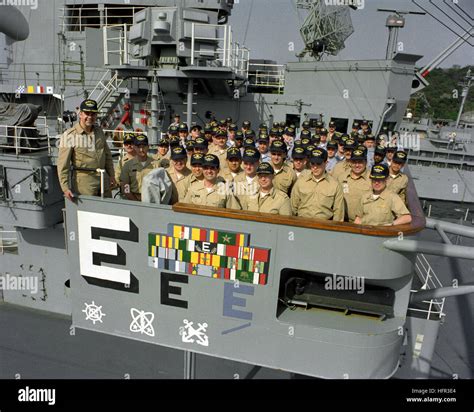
{"points": [[465, 90], [395, 22]]}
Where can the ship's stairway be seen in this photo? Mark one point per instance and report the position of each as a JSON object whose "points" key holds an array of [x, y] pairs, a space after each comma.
{"points": [[108, 93]]}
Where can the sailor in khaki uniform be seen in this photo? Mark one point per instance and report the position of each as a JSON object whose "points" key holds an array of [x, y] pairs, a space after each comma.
{"points": [[178, 173], [318, 195], [300, 162], [82, 150], [163, 154], [246, 184], [343, 167], [234, 163], [333, 134], [285, 176], [197, 174], [210, 191], [201, 145], [126, 154], [381, 206], [356, 183], [397, 181], [220, 148], [268, 199], [136, 169]]}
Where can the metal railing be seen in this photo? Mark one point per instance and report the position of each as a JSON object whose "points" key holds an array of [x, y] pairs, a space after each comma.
{"points": [[227, 52], [267, 75], [16, 134], [105, 88], [429, 279], [81, 17]]}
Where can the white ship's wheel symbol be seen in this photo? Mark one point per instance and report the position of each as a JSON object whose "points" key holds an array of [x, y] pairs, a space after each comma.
{"points": [[93, 312]]}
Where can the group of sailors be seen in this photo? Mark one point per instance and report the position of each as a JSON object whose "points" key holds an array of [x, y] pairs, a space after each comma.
{"points": [[319, 173]]}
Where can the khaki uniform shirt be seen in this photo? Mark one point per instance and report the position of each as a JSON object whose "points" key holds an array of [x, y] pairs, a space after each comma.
{"points": [[179, 186], [284, 179], [275, 202], [133, 173], [218, 196], [398, 184], [164, 161], [354, 190], [381, 210], [226, 174], [222, 155], [341, 168], [82, 150], [320, 200], [187, 183], [242, 189], [124, 158]]}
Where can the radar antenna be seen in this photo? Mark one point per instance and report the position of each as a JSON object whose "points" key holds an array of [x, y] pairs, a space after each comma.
{"points": [[326, 27]]}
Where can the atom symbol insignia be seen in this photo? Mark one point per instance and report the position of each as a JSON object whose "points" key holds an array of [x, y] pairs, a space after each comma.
{"points": [[93, 312], [142, 322]]}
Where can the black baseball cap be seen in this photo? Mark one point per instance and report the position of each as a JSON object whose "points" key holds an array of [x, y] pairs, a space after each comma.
{"points": [[190, 145], [400, 157], [211, 160], [251, 155], [358, 154], [278, 146], [299, 153], [183, 127], [128, 138], [265, 169], [163, 142], [332, 145], [318, 156], [201, 143], [289, 131], [221, 133], [140, 140], [380, 150], [89, 106], [239, 135], [379, 171], [249, 142], [305, 133], [350, 144], [234, 153], [197, 159], [178, 153], [175, 141]]}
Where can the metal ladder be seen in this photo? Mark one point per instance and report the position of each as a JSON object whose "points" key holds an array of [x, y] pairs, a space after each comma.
{"points": [[106, 93]]}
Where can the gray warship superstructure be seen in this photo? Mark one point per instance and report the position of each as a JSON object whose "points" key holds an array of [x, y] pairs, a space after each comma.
{"points": [[442, 151], [161, 274]]}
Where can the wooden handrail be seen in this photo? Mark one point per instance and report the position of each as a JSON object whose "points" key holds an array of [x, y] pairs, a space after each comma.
{"points": [[417, 224]]}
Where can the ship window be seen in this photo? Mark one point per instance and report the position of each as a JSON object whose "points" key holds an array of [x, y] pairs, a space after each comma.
{"points": [[341, 124], [8, 241]]}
